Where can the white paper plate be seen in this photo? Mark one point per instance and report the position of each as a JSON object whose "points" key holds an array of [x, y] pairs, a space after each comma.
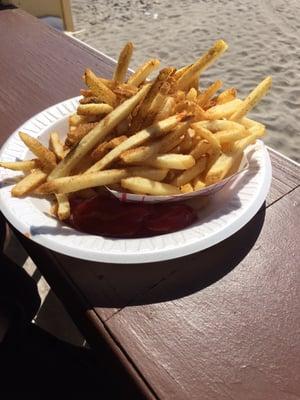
{"points": [[225, 213]]}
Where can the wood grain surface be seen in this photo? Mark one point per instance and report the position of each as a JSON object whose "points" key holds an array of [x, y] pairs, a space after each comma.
{"points": [[220, 324], [41, 67], [233, 337]]}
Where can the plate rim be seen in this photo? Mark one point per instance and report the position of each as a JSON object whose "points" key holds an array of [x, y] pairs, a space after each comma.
{"points": [[142, 257]]}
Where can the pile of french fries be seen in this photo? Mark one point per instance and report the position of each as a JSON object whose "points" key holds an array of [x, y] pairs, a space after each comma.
{"points": [[165, 136]]}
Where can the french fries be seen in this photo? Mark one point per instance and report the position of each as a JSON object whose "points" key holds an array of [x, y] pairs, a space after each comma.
{"points": [[223, 110], [123, 63], [157, 129], [172, 161], [94, 109], [21, 165], [56, 146], [158, 137], [252, 99], [29, 183], [210, 91], [199, 66], [63, 206], [97, 134], [189, 174], [142, 73], [148, 186], [209, 136], [78, 182], [99, 89], [46, 156], [227, 95]]}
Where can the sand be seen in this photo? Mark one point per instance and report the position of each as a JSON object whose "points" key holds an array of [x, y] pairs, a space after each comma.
{"points": [[263, 37]]}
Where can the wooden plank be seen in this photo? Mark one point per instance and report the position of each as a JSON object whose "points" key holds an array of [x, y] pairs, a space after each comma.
{"points": [[41, 67], [235, 336]]}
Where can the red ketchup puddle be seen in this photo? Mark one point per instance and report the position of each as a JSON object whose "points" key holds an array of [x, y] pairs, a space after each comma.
{"points": [[108, 216]]}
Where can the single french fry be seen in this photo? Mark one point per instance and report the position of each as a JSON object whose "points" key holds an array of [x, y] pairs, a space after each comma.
{"points": [[230, 135], [103, 148], [167, 109], [202, 147], [148, 186], [248, 123], [46, 157], [181, 71], [223, 110], [171, 161], [63, 206], [198, 184], [154, 130], [29, 183], [253, 126], [195, 83], [143, 110], [199, 66], [190, 173], [123, 63], [226, 96], [236, 163], [91, 100], [240, 145], [86, 92], [252, 99], [56, 146], [77, 133], [94, 109], [192, 94], [74, 183], [204, 97], [221, 125], [258, 131], [187, 188], [219, 169], [156, 106], [148, 172], [142, 73], [25, 166], [76, 120], [139, 154], [97, 134], [99, 89], [210, 137]]}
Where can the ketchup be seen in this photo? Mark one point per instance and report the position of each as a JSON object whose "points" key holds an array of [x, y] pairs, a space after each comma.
{"points": [[108, 216]]}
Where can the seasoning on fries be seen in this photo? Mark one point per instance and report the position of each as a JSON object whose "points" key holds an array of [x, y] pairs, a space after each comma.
{"points": [[165, 136]]}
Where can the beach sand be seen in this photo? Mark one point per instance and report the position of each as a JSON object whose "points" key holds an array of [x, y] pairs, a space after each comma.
{"points": [[263, 38]]}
